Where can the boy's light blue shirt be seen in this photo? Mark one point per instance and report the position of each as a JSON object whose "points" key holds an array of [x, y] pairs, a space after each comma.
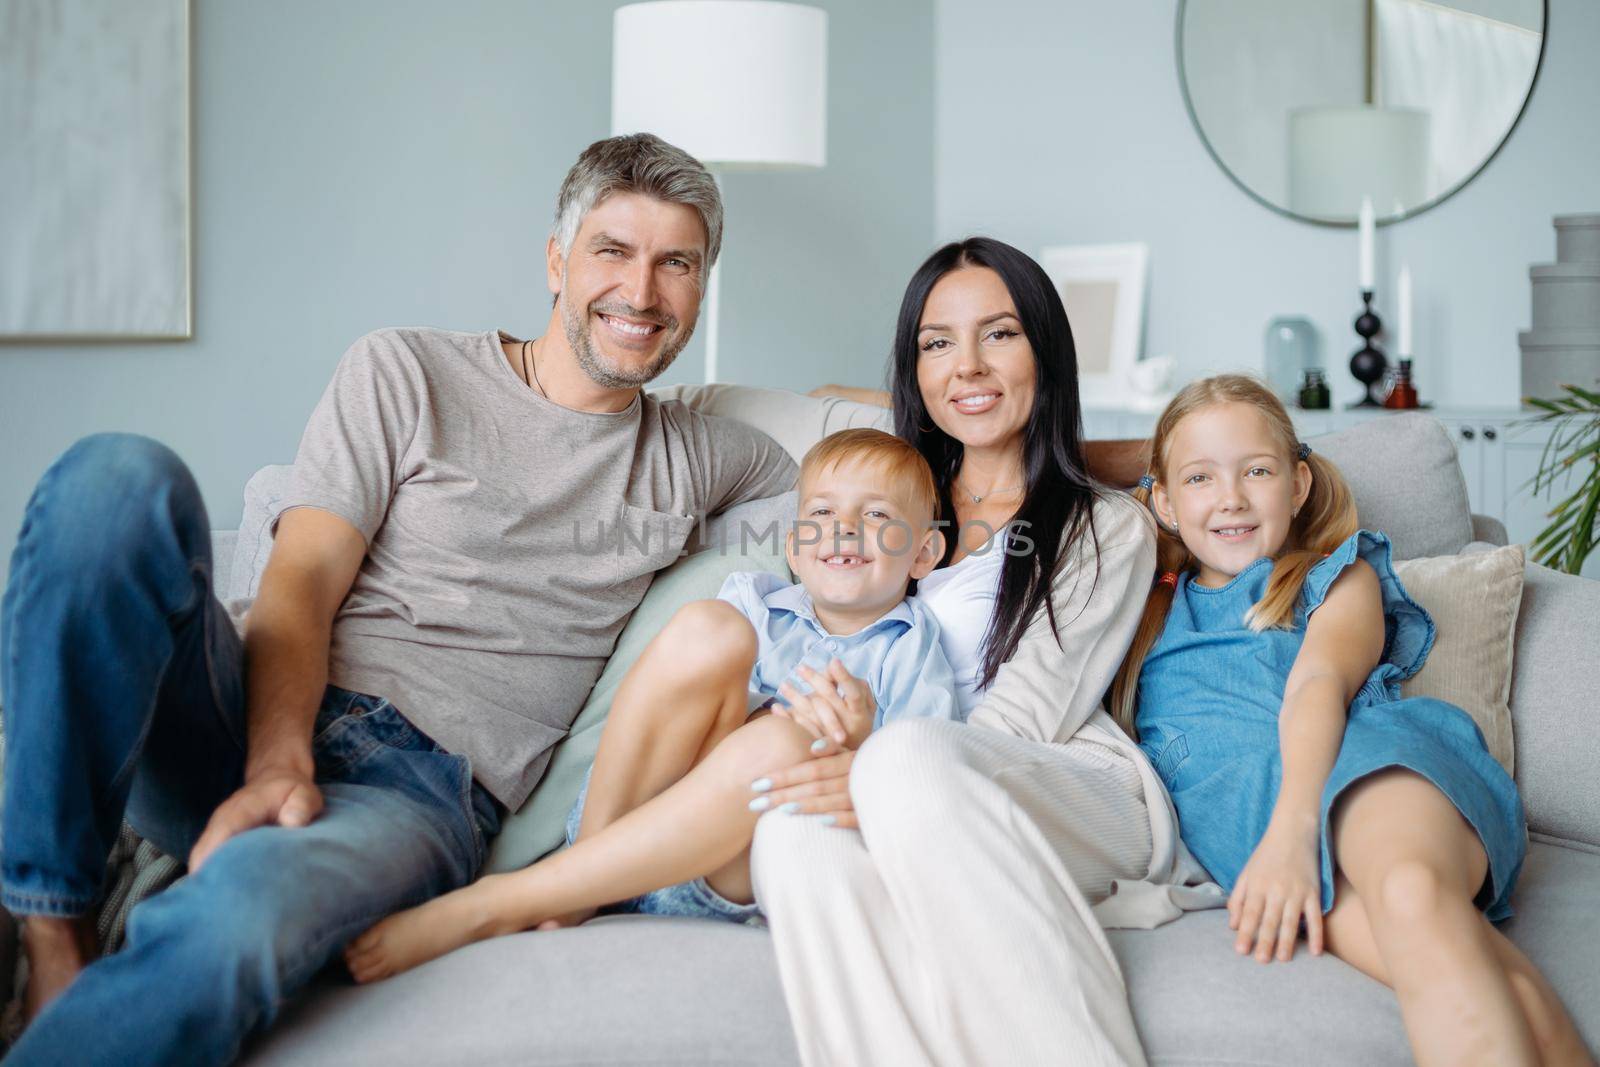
{"points": [[898, 656]]}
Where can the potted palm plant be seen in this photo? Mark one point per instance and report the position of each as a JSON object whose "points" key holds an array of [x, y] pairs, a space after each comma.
{"points": [[1572, 453]]}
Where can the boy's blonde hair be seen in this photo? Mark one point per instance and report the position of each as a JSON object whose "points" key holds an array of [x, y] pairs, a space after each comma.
{"points": [[897, 458], [1326, 519]]}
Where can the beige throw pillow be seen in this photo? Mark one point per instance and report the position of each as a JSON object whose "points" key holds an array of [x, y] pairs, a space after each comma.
{"points": [[1474, 600]]}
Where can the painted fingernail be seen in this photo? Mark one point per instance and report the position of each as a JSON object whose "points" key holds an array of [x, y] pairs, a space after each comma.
{"points": [[828, 820], [761, 785], [819, 744], [761, 804], [789, 808]]}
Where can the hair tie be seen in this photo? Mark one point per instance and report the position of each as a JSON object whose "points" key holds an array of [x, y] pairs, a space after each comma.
{"points": [[1147, 482], [1305, 450], [1169, 578]]}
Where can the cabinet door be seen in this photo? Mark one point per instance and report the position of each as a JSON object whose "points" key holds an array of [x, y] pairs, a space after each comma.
{"points": [[1525, 515], [1469, 450], [1491, 500]]}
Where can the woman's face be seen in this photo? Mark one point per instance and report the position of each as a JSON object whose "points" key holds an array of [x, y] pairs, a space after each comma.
{"points": [[975, 367]]}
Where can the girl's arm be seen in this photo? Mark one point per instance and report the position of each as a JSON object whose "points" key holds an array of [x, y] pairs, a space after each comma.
{"points": [[1283, 881]]}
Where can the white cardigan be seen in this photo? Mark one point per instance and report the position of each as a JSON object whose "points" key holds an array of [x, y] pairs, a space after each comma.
{"points": [[1047, 692]]}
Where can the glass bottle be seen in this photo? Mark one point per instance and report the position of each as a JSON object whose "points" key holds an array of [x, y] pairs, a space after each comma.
{"points": [[1314, 392], [1290, 347]]}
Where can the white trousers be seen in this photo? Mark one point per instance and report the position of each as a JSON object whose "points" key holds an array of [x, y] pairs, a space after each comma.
{"points": [[955, 927]]}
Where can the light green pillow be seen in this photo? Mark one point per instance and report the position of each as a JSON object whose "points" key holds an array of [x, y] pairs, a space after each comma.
{"points": [[539, 826]]}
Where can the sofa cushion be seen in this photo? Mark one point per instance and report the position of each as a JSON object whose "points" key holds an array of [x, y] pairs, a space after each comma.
{"points": [[264, 489], [1197, 1002], [623, 990], [1553, 707], [538, 826], [794, 421], [638, 989], [1473, 599], [1407, 482]]}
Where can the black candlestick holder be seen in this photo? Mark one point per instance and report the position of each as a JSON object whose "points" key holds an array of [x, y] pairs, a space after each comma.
{"points": [[1368, 363]]}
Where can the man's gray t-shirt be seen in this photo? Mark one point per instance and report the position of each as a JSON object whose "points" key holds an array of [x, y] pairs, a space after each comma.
{"points": [[508, 538]]}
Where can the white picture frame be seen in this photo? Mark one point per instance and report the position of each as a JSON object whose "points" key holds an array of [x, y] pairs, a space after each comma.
{"points": [[95, 209], [1103, 288]]}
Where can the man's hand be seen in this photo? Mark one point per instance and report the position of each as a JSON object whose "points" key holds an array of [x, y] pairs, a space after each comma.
{"points": [[272, 798]]}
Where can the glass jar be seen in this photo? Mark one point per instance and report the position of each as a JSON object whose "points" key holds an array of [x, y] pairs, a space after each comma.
{"points": [[1314, 391], [1290, 349]]}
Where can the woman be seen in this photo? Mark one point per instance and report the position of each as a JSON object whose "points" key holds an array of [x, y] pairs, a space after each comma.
{"points": [[956, 926]]}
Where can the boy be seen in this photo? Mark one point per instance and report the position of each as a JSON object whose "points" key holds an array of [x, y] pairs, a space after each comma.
{"points": [[666, 803]]}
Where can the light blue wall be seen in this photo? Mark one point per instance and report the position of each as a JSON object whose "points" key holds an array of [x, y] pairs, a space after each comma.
{"points": [[1063, 123], [373, 162]]}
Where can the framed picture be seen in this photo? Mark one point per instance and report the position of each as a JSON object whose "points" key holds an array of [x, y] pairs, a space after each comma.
{"points": [[1102, 287], [94, 173]]}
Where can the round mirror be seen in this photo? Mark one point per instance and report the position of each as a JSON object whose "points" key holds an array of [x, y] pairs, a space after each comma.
{"points": [[1312, 106]]}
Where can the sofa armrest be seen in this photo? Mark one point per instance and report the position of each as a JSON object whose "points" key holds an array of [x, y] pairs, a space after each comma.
{"points": [[1489, 529], [1554, 717]]}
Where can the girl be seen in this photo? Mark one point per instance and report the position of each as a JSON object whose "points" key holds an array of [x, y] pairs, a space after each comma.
{"points": [[1264, 684]]}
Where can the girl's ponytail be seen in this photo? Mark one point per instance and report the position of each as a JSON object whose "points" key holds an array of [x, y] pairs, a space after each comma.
{"points": [[1172, 559], [1326, 520]]}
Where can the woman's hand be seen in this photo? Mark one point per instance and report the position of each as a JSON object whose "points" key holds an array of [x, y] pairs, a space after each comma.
{"points": [[819, 786], [840, 705], [1281, 883]]}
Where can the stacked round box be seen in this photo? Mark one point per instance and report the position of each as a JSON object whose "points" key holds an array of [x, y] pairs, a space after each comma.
{"points": [[1564, 345]]}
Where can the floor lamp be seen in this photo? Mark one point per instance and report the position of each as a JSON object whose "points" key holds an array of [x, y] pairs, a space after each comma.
{"points": [[738, 84]]}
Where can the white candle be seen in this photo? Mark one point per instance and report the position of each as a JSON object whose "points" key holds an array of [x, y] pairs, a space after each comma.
{"points": [[1404, 342], [1366, 244]]}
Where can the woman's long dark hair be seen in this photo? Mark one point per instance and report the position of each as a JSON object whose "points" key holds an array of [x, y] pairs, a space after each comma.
{"points": [[1058, 505]]}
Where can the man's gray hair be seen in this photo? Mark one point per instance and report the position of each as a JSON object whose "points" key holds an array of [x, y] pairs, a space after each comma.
{"points": [[637, 163]]}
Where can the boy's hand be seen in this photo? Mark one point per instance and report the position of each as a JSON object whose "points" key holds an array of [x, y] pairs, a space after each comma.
{"points": [[839, 706]]}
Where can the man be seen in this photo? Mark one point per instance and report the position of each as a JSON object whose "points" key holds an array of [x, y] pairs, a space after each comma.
{"points": [[431, 618]]}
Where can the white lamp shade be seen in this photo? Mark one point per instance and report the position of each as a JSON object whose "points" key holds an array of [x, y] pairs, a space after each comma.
{"points": [[1338, 155], [735, 83]]}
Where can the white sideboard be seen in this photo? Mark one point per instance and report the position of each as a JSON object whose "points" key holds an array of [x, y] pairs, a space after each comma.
{"points": [[1499, 450]]}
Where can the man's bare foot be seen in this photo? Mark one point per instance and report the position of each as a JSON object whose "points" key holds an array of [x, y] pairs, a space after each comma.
{"points": [[57, 950], [415, 936]]}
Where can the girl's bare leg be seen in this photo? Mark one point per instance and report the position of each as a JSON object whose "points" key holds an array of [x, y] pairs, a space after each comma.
{"points": [[1415, 865], [698, 826], [687, 691], [1348, 935]]}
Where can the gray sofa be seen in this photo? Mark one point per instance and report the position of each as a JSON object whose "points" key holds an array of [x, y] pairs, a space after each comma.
{"points": [[660, 991]]}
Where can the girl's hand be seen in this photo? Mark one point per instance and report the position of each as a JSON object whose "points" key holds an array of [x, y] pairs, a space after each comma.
{"points": [[840, 705], [819, 786], [1281, 884]]}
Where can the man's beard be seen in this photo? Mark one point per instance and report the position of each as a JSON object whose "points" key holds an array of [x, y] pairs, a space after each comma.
{"points": [[603, 372]]}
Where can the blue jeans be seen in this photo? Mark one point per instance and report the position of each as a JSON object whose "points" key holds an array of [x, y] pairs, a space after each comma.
{"points": [[123, 688]]}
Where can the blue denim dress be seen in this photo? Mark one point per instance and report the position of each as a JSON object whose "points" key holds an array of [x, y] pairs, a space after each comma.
{"points": [[1209, 696]]}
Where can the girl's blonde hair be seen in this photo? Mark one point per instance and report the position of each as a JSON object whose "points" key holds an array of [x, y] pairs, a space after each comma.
{"points": [[1326, 519]]}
